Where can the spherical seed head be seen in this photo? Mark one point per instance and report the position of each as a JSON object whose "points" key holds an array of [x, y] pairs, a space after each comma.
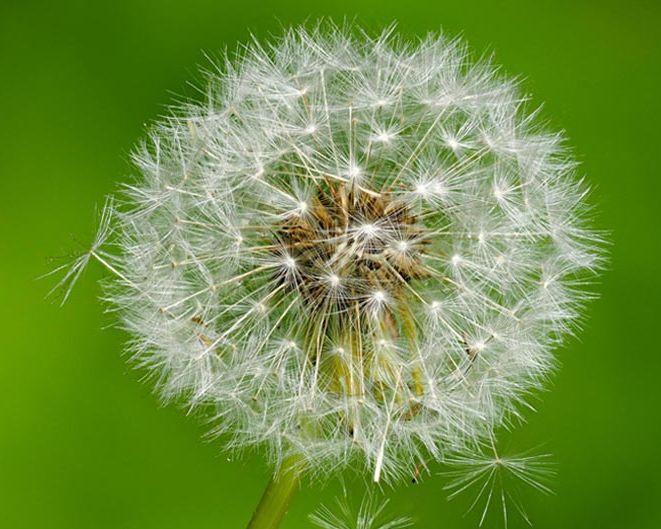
{"points": [[354, 249]]}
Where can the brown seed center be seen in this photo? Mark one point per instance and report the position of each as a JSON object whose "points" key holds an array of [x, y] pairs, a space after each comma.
{"points": [[350, 247]]}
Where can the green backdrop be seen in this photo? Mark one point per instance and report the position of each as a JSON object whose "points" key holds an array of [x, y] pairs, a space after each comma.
{"points": [[84, 444]]}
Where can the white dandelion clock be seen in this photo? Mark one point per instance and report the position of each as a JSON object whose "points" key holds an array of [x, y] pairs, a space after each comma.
{"points": [[356, 250]]}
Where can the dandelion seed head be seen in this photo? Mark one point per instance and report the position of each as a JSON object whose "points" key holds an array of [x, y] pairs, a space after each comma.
{"points": [[357, 249]]}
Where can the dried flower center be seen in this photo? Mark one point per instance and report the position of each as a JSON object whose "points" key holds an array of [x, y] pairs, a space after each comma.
{"points": [[350, 248]]}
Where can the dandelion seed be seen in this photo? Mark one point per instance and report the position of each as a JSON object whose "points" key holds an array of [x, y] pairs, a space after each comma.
{"points": [[494, 480], [74, 269], [370, 515]]}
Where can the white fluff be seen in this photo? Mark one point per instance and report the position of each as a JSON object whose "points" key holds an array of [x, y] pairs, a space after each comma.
{"points": [[214, 299]]}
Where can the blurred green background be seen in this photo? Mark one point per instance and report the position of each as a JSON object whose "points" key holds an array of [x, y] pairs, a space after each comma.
{"points": [[84, 444]]}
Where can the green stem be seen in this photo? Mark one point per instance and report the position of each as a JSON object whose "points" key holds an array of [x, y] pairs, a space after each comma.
{"points": [[278, 495]]}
